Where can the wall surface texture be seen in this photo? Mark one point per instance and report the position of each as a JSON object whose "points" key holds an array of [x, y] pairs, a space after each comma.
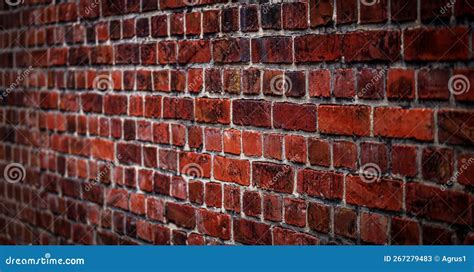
{"points": [[223, 122]]}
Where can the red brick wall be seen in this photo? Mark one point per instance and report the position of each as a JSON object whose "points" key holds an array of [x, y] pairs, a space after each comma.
{"points": [[209, 122]]}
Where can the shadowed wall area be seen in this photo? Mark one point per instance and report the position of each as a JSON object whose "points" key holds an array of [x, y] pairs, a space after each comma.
{"points": [[223, 122]]}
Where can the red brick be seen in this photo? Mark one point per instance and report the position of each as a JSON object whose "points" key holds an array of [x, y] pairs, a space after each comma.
{"points": [[401, 84], [455, 127], [251, 113], [321, 12], [232, 170], [322, 184], [404, 232], [181, 215], [319, 83], [294, 116], [382, 194], [437, 164], [374, 228], [372, 46], [252, 203], [232, 141], [295, 15], [250, 232], [214, 224], [295, 147], [232, 198], [319, 217], [274, 177], [272, 50], [433, 84], [404, 123], [344, 154], [295, 212], [444, 44], [213, 194], [344, 120], [344, 83], [210, 110], [272, 207], [289, 237], [318, 48], [404, 160], [272, 146], [345, 222], [319, 152]]}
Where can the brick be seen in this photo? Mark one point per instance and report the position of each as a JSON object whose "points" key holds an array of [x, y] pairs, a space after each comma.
{"points": [[319, 152], [251, 113], [252, 204], [401, 84], [249, 18], [274, 177], [181, 215], [374, 153], [344, 83], [322, 184], [210, 110], [374, 13], [232, 141], [196, 192], [232, 198], [295, 147], [318, 48], [294, 116], [213, 194], [295, 212], [270, 16], [321, 12], [272, 146], [433, 84], [272, 50], [404, 10], [250, 232], [272, 207], [345, 222], [344, 120], [213, 139], [372, 46], [437, 164], [404, 123], [465, 169], [214, 224], [404, 160], [346, 11], [289, 237], [445, 44], [195, 164], [194, 52], [434, 235], [295, 15], [370, 83], [455, 127], [232, 170], [383, 194], [319, 217], [374, 228], [344, 154], [404, 232], [319, 83]]}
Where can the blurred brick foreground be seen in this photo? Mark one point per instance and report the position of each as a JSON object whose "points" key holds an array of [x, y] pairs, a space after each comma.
{"points": [[217, 122]]}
